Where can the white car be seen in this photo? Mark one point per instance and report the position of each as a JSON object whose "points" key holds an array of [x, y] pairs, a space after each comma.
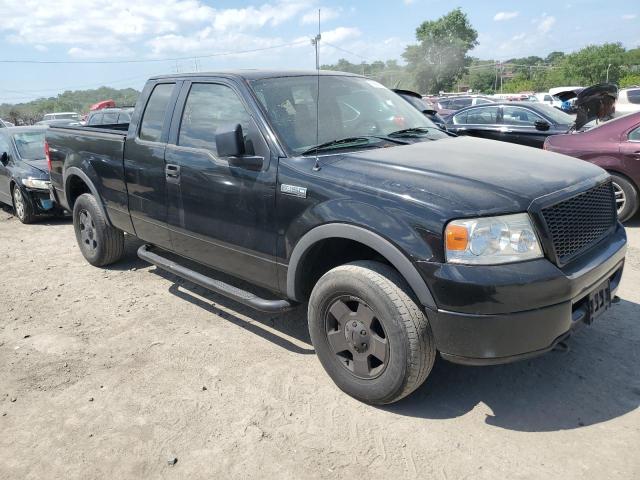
{"points": [[628, 101], [549, 99]]}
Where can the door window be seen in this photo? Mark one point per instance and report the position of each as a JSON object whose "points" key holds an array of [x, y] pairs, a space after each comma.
{"points": [[461, 103], [154, 113], [4, 146], [633, 96], [110, 118], [96, 119], [482, 116], [210, 106], [519, 116], [634, 135]]}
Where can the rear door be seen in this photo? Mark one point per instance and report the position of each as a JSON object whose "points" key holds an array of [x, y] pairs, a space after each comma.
{"points": [[482, 122], [220, 214], [145, 165]]}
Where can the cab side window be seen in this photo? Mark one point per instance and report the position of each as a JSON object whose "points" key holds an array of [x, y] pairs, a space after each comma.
{"points": [[208, 107], [154, 113]]}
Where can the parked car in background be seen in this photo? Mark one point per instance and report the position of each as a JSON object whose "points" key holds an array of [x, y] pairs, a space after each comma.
{"points": [[549, 99], [614, 146], [110, 116], [58, 123], [24, 175], [62, 116], [628, 101], [416, 100], [448, 105], [525, 123]]}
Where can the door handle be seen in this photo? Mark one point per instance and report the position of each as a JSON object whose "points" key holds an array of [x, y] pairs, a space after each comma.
{"points": [[172, 171]]}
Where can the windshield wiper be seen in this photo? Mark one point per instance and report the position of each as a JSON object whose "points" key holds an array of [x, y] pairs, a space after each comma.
{"points": [[412, 131], [350, 141]]}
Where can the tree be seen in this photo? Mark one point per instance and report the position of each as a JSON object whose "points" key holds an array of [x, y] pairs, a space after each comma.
{"points": [[554, 57], [589, 65], [440, 57]]}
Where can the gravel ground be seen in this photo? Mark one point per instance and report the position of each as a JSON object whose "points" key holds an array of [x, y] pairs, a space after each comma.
{"points": [[115, 373]]}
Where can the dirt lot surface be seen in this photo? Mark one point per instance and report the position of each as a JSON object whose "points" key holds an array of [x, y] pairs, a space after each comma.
{"points": [[111, 373]]}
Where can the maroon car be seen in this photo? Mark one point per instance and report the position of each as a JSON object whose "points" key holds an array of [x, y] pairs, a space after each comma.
{"points": [[614, 146]]}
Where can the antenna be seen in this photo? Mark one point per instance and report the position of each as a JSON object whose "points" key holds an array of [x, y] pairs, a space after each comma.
{"points": [[316, 43]]}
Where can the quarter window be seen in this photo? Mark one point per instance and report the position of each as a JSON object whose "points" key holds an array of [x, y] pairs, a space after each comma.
{"points": [[208, 107], [153, 119], [482, 116], [634, 135]]}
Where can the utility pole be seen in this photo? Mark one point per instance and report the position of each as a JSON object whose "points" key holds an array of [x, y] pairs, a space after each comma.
{"points": [[316, 43], [608, 67]]}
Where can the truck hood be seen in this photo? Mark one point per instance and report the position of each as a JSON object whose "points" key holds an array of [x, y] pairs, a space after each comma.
{"points": [[462, 176]]}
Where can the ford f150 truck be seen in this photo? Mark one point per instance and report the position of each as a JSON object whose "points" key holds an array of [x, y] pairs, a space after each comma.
{"points": [[329, 189]]}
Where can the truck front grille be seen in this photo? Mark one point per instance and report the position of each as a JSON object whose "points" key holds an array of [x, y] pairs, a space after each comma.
{"points": [[578, 223]]}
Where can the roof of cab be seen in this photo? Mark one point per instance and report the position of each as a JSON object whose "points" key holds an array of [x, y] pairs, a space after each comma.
{"points": [[254, 74]]}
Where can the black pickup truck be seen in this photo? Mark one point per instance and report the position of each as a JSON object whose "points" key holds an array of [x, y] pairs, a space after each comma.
{"points": [[404, 240]]}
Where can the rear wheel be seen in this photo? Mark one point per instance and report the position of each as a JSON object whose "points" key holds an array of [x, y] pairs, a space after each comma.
{"points": [[22, 206], [100, 243], [371, 337], [626, 197]]}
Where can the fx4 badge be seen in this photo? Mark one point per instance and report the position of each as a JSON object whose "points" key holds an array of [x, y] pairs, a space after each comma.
{"points": [[294, 190]]}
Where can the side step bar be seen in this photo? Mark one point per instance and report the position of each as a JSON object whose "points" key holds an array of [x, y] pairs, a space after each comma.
{"points": [[234, 293]]}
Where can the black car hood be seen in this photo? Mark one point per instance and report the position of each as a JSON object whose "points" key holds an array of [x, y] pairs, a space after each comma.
{"points": [[463, 176], [39, 164]]}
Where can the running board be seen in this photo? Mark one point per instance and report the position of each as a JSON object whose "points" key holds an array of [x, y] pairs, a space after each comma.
{"points": [[229, 291]]}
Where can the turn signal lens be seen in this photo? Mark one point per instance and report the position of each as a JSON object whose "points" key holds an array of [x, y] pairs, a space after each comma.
{"points": [[457, 237]]}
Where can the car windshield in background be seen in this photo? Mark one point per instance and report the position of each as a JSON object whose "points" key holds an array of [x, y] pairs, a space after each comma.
{"points": [[30, 145], [556, 115], [349, 107]]}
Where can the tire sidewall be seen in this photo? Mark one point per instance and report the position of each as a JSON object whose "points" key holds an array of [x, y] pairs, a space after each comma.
{"points": [[392, 380], [87, 202], [26, 202], [631, 195]]}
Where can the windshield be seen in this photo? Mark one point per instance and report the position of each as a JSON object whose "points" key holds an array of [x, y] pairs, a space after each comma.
{"points": [[556, 115], [30, 145], [349, 107]]}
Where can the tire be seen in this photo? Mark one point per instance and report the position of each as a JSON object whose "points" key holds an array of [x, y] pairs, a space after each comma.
{"points": [[22, 206], [626, 192], [398, 325], [99, 243]]}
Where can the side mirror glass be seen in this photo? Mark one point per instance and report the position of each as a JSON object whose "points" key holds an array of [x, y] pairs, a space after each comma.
{"points": [[542, 125], [4, 158], [230, 141]]}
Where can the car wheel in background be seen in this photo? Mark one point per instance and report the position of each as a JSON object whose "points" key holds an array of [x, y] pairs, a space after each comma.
{"points": [[22, 206], [626, 197], [100, 243], [371, 337]]}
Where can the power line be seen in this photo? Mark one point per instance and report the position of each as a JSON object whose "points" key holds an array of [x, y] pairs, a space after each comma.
{"points": [[155, 60], [345, 50]]}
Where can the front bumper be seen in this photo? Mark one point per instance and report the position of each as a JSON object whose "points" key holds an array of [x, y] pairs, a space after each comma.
{"points": [[499, 314], [40, 200]]}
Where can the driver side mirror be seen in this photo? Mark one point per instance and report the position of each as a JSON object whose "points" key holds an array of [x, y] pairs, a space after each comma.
{"points": [[542, 125], [230, 144], [4, 158]]}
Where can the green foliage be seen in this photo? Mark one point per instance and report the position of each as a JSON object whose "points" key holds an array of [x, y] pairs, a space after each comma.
{"points": [[440, 57], [629, 80], [589, 65], [69, 101]]}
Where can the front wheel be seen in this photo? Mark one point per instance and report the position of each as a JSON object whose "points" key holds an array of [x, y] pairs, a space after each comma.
{"points": [[100, 243], [371, 337], [626, 197], [22, 206]]}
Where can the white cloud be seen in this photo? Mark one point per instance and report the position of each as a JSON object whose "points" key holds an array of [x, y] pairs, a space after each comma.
{"points": [[500, 16], [409, 2], [326, 14], [340, 34], [629, 16], [546, 24]]}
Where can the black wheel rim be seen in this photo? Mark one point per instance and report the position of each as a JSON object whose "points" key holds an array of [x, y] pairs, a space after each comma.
{"points": [[356, 337], [621, 198], [87, 231]]}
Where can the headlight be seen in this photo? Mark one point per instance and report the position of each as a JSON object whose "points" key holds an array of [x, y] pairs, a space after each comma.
{"points": [[36, 183], [492, 240]]}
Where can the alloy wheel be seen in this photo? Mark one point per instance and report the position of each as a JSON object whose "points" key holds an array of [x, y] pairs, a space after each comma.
{"points": [[18, 203], [356, 337], [621, 198]]}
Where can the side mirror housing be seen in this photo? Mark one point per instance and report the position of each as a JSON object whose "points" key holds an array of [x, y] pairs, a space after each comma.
{"points": [[4, 158], [542, 125], [230, 141], [230, 144]]}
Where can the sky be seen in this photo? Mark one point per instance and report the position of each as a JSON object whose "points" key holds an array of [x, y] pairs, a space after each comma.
{"points": [[168, 36]]}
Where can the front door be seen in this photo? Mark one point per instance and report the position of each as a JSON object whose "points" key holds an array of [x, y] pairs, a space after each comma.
{"points": [[5, 175], [145, 166], [220, 214]]}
